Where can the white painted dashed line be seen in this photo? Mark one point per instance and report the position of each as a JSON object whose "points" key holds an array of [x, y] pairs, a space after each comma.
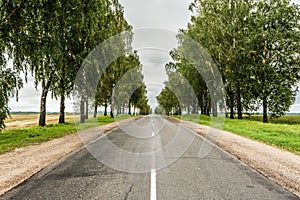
{"points": [[153, 173], [153, 185]]}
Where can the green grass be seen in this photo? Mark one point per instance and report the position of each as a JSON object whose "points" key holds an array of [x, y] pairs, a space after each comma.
{"points": [[12, 139], [203, 119], [282, 132], [287, 119]]}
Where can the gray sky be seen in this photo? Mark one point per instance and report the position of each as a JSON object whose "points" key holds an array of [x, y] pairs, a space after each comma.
{"points": [[165, 16], [168, 15]]}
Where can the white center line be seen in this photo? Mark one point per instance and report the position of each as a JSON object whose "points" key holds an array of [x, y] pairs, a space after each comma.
{"points": [[153, 171], [153, 185]]}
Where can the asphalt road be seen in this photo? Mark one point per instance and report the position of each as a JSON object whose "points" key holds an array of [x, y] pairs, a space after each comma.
{"points": [[151, 158]]}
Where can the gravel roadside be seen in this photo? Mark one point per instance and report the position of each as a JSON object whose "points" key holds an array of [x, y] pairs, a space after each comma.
{"points": [[278, 165]]}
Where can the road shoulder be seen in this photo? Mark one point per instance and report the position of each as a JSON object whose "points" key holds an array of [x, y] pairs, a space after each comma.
{"points": [[20, 164], [280, 166]]}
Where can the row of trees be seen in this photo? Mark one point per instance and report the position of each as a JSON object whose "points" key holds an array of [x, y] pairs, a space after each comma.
{"points": [[255, 45], [122, 86], [50, 39], [177, 94]]}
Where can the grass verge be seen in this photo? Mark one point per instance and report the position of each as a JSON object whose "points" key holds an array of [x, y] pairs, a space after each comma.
{"points": [[17, 138], [282, 132]]}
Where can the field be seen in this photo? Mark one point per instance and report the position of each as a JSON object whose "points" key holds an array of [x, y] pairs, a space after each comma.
{"points": [[22, 129], [28, 120], [283, 132]]}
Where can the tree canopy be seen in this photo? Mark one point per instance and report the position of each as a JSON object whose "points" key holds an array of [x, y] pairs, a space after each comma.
{"points": [[255, 45], [51, 39]]}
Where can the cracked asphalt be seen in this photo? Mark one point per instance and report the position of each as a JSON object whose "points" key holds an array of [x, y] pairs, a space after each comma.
{"points": [[179, 174]]}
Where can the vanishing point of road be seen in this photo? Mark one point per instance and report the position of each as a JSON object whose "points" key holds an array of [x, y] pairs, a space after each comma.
{"points": [[152, 158]]}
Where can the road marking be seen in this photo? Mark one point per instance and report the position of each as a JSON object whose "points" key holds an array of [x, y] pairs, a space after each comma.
{"points": [[153, 171], [153, 185]]}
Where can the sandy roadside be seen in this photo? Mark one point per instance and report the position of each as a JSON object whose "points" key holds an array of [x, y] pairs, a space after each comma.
{"points": [[278, 165]]}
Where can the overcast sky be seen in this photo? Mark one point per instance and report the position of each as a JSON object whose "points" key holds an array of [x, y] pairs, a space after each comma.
{"points": [[168, 16]]}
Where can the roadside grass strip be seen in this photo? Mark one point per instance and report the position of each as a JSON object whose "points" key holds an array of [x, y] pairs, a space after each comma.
{"points": [[22, 137], [282, 132]]}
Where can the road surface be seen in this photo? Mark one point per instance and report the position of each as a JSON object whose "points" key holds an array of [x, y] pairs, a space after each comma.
{"points": [[151, 158]]}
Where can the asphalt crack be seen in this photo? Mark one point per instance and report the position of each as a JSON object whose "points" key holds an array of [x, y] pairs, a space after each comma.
{"points": [[127, 193]]}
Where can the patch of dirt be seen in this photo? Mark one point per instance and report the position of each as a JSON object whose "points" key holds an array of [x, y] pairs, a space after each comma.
{"points": [[280, 166], [175, 120]]}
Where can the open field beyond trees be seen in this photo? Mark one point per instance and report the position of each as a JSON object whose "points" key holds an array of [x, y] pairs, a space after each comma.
{"points": [[21, 120], [22, 129]]}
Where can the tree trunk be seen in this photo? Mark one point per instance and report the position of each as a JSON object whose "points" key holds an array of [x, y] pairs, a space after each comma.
{"points": [[42, 120], [208, 107], [111, 112], [208, 111], [265, 110], [239, 102], [111, 109], [206, 104], [86, 109], [95, 111], [62, 110], [123, 108], [82, 116], [105, 109], [129, 108], [194, 107], [231, 112], [231, 106], [62, 86], [214, 109], [202, 107], [45, 88]]}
